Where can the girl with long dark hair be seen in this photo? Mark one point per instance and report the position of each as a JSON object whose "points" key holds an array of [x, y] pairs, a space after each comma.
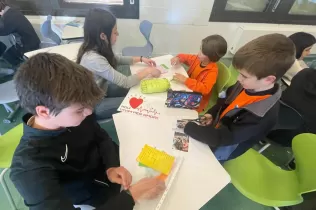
{"points": [[96, 54], [303, 43]]}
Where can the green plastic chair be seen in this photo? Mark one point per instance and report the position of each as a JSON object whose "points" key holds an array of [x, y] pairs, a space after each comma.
{"points": [[233, 77], [260, 180], [8, 143], [225, 79]]}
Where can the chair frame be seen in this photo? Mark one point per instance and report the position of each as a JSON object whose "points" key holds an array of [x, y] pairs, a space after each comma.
{"points": [[6, 189], [269, 144]]}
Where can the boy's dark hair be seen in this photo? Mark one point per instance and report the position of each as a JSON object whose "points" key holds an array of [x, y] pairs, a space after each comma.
{"points": [[271, 54], [55, 82], [214, 47], [302, 41], [3, 4]]}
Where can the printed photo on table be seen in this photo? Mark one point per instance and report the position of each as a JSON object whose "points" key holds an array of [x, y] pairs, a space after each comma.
{"points": [[181, 142], [181, 123]]}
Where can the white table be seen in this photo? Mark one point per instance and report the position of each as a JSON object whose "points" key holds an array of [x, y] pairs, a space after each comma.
{"points": [[70, 51], [200, 177], [72, 32], [157, 100]]}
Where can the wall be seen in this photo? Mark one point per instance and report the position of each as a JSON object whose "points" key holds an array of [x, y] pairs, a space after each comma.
{"points": [[179, 26]]}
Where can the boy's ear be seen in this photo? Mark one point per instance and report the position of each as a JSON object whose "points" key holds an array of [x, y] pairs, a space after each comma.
{"points": [[103, 37], [42, 112], [270, 79]]}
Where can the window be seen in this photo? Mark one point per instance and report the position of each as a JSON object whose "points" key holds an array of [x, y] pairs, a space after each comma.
{"points": [[128, 9], [249, 6], [265, 11], [114, 2], [303, 8]]}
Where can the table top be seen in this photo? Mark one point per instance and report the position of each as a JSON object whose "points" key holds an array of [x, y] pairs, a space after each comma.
{"points": [[157, 100], [200, 176], [165, 59], [71, 32], [70, 51]]}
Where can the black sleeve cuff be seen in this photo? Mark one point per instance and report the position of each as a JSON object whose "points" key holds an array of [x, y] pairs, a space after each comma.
{"points": [[205, 134], [128, 197], [122, 201]]}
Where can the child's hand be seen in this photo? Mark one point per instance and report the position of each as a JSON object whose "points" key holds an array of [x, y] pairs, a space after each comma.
{"points": [[175, 61], [120, 175], [149, 62], [207, 119], [154, 72], [179, 78], [147, 188]]}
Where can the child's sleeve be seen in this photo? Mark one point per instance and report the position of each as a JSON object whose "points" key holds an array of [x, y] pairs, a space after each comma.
{"points": [[205, 86], [100, 66], [49, 194], [229, 134], [187, 59], [209, 135], [107, 148], [124, 60], [6, 28]]}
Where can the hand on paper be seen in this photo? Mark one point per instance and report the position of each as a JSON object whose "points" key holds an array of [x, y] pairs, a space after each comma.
{"points": [[179, 78], [120, 175], [154, 72], [175, 61], [147, 188], [207, 119], [149, 62]]}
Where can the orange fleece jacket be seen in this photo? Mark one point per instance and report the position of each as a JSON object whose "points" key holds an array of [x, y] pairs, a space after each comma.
{"points": [[242, 100], [200, 80]]}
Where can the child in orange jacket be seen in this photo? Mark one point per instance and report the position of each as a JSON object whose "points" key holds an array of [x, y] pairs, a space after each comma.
{"points": [[203, 68]]}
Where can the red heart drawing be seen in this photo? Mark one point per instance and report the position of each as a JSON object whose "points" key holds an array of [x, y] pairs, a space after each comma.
{"points": [[135, 102]]}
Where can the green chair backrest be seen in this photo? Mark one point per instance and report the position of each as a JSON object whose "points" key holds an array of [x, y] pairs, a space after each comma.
{"points": [[222, 77], [8, 142], [262, 181], [304, 148], [233, 76], [225, 79]]}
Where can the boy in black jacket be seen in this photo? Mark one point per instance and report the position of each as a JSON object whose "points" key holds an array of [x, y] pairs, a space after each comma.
{"points": [[64, 157], [301, 96], [250, 110]]}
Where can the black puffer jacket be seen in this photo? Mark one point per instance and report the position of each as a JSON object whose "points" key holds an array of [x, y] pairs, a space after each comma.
{"points": [[301, 95], [14, 22]]}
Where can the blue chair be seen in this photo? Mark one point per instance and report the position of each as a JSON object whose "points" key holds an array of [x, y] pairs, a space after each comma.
{"points": [[145, 28], [48, 32]]}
